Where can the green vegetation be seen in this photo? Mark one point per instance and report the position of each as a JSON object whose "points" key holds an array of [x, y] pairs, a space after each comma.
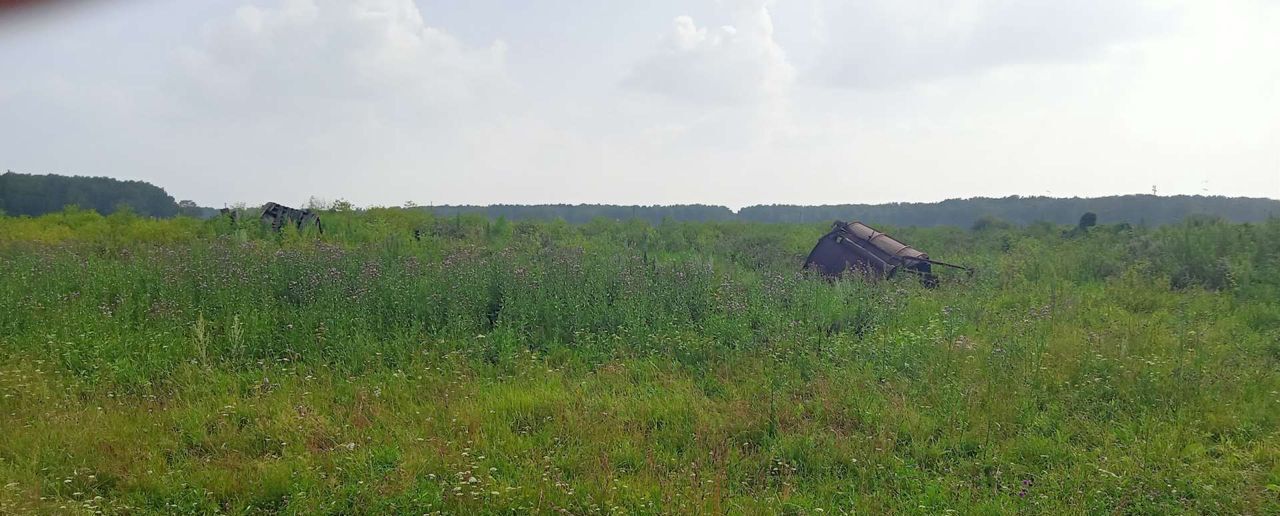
{"points": [[23, 194], [1133, 209], [185, 366], [26, 194]]}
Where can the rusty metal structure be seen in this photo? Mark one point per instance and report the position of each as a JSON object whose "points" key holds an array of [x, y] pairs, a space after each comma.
{"points": [[230, 214], [278, 214], [857, 247]]}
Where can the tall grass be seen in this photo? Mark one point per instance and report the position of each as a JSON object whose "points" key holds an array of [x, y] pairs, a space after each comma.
{"points": [[186, 366]]}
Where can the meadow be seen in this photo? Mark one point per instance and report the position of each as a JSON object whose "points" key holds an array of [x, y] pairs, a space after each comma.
{"points": [[177, 366]]}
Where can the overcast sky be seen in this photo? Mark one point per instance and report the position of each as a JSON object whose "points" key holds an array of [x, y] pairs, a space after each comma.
{"points": [[732, 102]]}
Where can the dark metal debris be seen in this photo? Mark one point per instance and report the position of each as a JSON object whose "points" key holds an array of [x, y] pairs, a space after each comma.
{"points": [[854, 246], [277, 215]]}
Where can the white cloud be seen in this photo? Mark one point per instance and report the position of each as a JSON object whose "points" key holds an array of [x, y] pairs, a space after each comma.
{"points": [[376, 102], [304, 55], [731, 64], [888, 43], [349, 93]]}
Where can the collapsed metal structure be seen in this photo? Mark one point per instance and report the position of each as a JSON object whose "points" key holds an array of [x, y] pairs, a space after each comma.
{"points": [[857, 247], [278, 214]]}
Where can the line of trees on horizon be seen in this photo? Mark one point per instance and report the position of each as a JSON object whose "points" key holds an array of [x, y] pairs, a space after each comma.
{"points": [[1132, 209], [32, 195]]}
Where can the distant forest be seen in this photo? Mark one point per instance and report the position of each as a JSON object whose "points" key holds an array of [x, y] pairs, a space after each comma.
{"points": [[582, 213], [1134, 209], [26, 194]]}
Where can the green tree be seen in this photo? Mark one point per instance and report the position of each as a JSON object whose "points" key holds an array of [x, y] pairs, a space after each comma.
{"points": [[1088, 220]]}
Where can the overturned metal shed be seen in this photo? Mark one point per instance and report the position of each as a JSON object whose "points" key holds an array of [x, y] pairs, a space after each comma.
{"points": [[278, 214], [854, 246]]}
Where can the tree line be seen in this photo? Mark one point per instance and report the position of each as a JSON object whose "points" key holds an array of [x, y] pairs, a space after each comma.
{"points": [[29, 194], [1132, 209], [583, 213], [26, 194]]}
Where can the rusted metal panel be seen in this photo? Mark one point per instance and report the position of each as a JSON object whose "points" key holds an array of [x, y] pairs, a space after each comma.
{"points": [[278, 214], [859, 248], [883, 241]]}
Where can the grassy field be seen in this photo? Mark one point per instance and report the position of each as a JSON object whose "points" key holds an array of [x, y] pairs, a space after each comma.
{"points": [[181, 366]]}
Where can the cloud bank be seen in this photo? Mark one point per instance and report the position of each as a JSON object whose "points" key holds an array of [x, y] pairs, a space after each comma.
{"points": [[730, 64], [720, 101], [375, 56], [883, 44]]}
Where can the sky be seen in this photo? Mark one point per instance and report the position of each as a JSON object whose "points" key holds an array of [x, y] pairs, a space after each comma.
{"points": [[730, 102]]}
